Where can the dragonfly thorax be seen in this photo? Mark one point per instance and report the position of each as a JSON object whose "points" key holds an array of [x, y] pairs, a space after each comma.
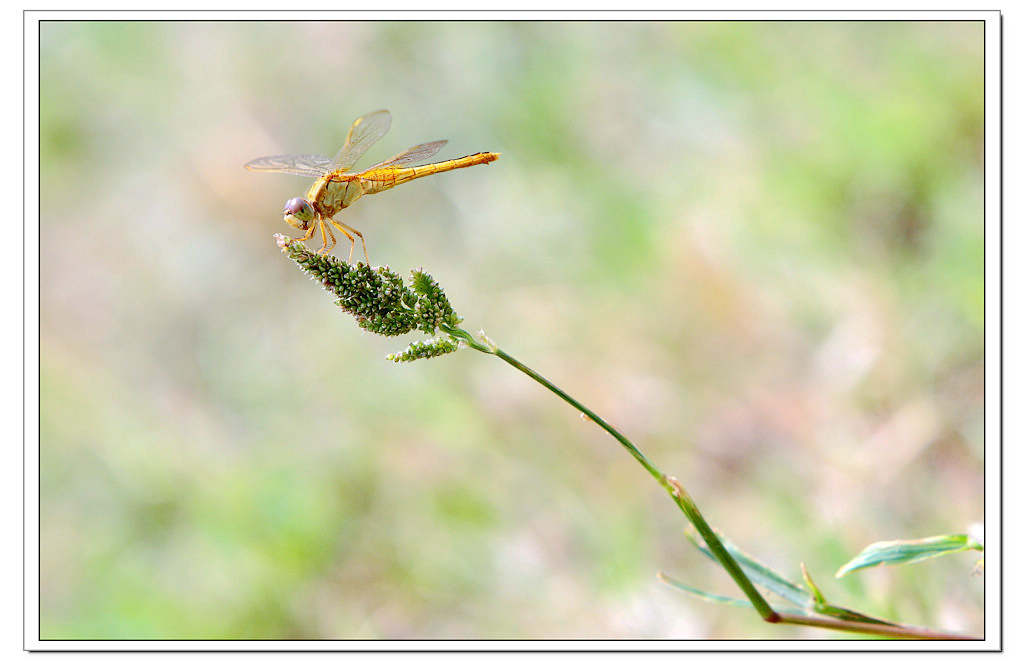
{"points": [[333, 193]]}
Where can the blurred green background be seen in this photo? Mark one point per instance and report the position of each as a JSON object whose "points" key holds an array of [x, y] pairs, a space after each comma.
{"points": [[755, 248]]}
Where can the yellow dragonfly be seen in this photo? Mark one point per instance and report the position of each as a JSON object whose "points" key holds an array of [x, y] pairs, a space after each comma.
{"points": [[336, 188]]}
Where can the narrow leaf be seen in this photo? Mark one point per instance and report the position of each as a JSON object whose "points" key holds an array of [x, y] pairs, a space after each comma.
{"points": [[773, 581], [760, 574], [819, 598], [717, 598], [908, 551]]}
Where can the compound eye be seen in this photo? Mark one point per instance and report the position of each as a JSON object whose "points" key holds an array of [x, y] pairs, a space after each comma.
{"points": [[299, 208]]}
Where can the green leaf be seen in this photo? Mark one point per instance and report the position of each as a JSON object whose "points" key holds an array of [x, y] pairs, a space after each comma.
{"points": [[717, 598], [772, 580], [908, 551], [759, 574], [819, 598]]}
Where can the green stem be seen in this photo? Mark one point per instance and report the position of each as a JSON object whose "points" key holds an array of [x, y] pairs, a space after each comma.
{"points": [[630, 447], [689, 508], [671, 485]]}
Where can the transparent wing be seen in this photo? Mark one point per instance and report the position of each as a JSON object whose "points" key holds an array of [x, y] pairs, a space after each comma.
{"points": [[364, 132], [420, 152], [312, 165]]}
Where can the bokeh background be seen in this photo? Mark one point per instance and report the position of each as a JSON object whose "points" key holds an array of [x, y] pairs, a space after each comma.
{"points": [[756, 248]]}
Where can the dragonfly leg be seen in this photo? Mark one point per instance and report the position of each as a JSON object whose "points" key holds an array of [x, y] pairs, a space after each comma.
{"points": [[352, 240], [348, 230], [309, 234], [323, 236], [327, 247]]}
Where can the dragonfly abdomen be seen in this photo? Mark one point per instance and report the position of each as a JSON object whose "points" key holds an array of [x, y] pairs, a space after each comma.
{"points": [[382, 179]]}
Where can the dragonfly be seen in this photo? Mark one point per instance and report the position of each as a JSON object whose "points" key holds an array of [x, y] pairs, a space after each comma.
{"points": [[336, 187]]}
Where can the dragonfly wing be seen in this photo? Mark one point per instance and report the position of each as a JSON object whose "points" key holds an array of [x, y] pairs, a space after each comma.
{"points": [[364, 132], [420, 152], [311, 165]]}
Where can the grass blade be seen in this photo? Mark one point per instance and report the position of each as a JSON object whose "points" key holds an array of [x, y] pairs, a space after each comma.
{"points": [[908, 551], [761, 574]]}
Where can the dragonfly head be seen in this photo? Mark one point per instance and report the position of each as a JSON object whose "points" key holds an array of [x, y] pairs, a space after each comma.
{"points": [[298, 213]]}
